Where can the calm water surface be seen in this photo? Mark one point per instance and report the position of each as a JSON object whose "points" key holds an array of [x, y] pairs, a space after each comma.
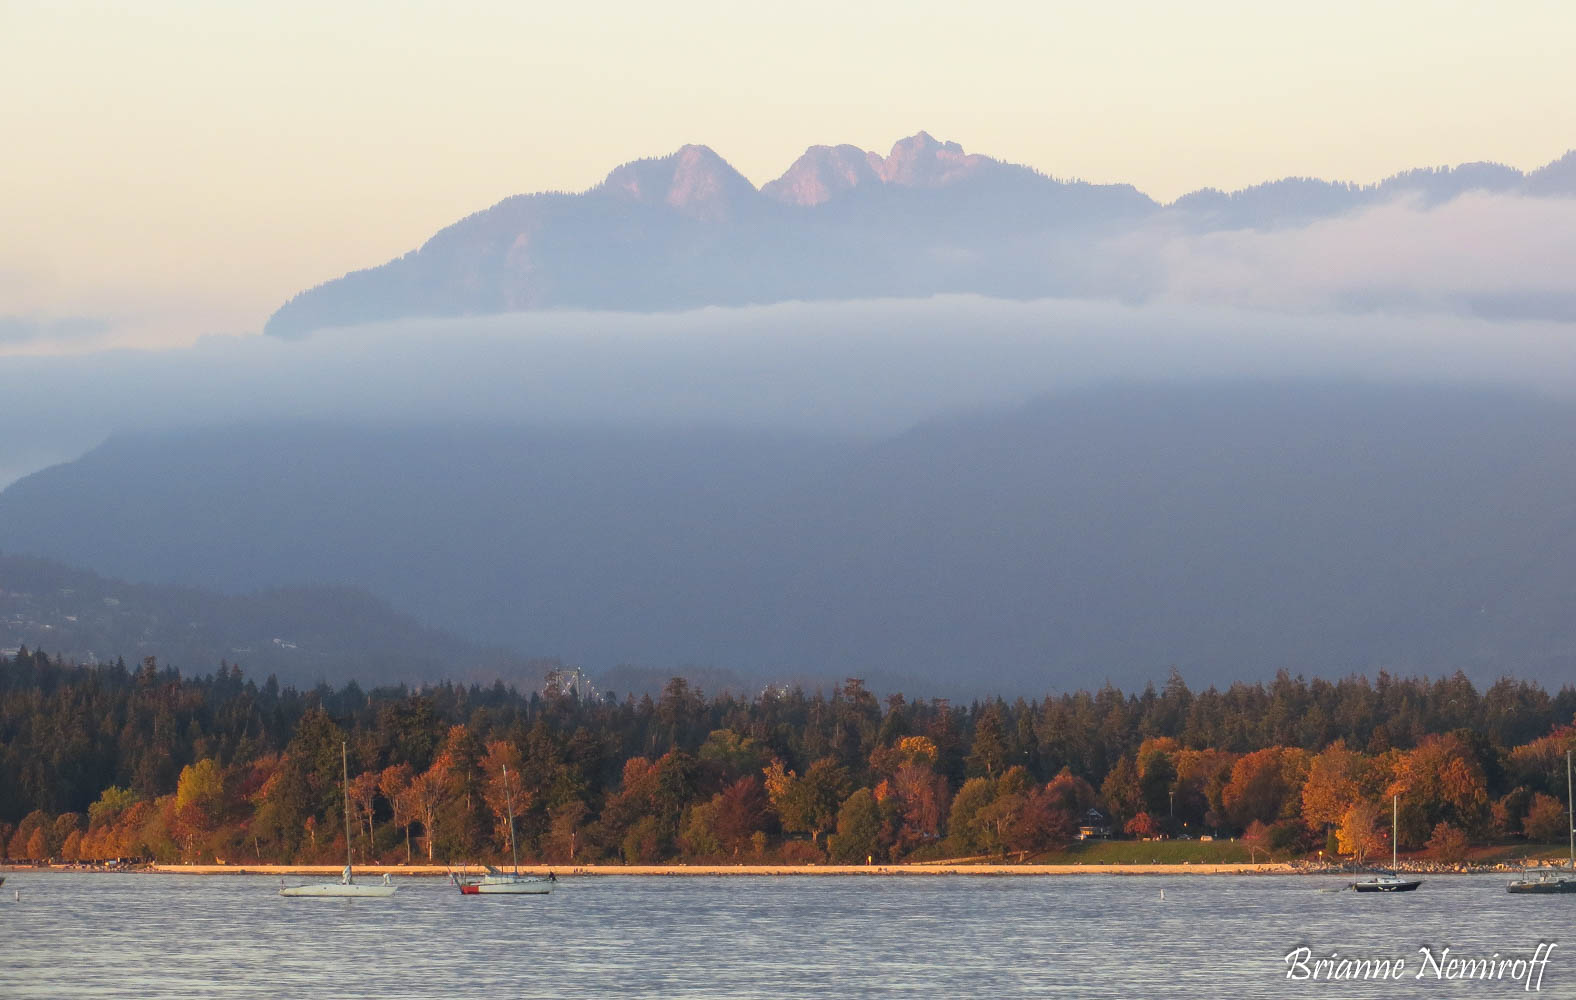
{"points": [[99, 935]]}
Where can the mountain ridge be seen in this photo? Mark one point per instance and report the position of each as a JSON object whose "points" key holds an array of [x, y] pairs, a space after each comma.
{"points": [[302, 634], [687, 230], [1228, 529]]}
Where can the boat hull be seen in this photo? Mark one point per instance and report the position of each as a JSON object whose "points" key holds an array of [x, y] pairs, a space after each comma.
{"points": [[505, 888], [1400, 885], [346, 891], [1542, 887]]}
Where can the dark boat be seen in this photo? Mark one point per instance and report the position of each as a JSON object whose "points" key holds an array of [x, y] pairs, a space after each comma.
{"points": [[1389, 881], [1552, 880], [1543, 882]]}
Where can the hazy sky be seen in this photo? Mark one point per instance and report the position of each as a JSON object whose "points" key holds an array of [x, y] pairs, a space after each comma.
{"points": [[174, 169]]}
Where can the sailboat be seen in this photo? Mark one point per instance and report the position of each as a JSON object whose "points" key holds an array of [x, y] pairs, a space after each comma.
{"points": [[499, 883], [347, 885], [1547, 880], [1389, 881]]}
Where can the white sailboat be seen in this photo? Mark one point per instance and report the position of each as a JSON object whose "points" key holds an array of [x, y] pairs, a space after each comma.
{"points": [[1390, 881], [498, 883], [347, 885]]}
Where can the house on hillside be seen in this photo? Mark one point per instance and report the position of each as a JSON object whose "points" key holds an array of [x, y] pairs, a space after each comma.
{"points": [[1096, 825]]}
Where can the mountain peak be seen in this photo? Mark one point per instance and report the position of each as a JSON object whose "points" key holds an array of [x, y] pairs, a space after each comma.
{"points": [[822, 173], [923, 162], [694, 180], [1556, 179], [918, 161]]}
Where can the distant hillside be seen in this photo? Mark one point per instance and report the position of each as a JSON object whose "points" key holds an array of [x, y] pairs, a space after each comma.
{"points": [[1226, 529], [300, 634], [687, 230]]}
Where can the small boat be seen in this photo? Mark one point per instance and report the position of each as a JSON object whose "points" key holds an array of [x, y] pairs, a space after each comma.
{"points": [[500, 883], [1543, 881], [1390, 881], [344, 887], [1552, 879], [347, 885]]}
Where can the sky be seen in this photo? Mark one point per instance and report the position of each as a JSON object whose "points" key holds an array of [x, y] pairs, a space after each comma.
{"points": [[176, 170]]}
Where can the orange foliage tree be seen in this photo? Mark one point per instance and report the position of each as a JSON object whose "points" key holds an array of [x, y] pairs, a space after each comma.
{"points": [[1266, 786]]}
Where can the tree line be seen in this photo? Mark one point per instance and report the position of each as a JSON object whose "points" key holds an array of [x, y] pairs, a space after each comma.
{"points": [[102, 761]]}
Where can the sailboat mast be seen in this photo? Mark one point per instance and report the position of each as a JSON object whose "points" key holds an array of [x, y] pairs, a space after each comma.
{"points": [[1570, 807], [508, 798], [1395, 826], [344, 763]]}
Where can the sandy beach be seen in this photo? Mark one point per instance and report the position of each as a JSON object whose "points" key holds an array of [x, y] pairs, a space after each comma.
{"points": [[747, 870]]}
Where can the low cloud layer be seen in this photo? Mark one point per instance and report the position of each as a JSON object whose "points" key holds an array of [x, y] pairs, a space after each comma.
{"points": [[16, 330], [858, 368], [1477, 254]]}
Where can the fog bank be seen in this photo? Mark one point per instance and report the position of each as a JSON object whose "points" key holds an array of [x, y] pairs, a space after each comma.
{"points": [[861, 368]]}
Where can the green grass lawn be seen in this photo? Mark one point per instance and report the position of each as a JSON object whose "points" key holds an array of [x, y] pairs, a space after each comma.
{"points": [[1137, 852], [1226, 852]]}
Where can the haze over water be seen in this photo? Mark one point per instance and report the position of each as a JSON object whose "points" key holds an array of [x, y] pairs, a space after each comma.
{"points": [[143, 936]]}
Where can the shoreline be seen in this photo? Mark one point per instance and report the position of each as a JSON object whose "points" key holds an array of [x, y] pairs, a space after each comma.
{"points": [[716, 871]]}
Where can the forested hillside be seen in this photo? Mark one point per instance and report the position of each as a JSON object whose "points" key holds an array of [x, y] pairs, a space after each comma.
{"points": [[106, 761]]}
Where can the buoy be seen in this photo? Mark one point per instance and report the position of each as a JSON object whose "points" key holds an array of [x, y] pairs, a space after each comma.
{"points": [[1162, 895]]}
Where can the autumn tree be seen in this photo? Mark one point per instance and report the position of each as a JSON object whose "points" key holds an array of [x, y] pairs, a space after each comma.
{"points": [[424, 800], [1441, 780], [1070, 793], [199, 801], [920, 798], [1142, 825], [394, 783], [1448, 844], [1266, 785], [461, 805], [1546, 821], [1358, 835], [30, 841], [1039, 823], [809, 804], [363, 799], [1337, 778], [741, 812], [500, 789]]}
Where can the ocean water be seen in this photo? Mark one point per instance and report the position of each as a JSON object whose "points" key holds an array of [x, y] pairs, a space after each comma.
{"points": [[178, 936]]}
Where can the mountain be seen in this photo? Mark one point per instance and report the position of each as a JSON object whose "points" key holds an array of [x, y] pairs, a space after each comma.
{"points": [[302, 635], [687, 230], [1228, 529]]}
